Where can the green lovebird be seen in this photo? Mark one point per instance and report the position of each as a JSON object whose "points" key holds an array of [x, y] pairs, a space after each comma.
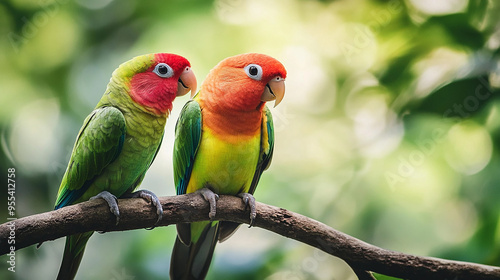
{"points": [[120, 139], [224, 140]]}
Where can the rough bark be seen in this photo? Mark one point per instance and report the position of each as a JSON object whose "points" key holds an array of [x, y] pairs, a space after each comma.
{"points": [[137, 214]]}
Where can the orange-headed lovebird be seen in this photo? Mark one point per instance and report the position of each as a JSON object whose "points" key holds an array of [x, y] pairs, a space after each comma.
{"points": [[224, 140], [120, 139]]}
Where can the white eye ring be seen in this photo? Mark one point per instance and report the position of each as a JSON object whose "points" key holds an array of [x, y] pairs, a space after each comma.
{"points": [[254, 71], [163, 70]]}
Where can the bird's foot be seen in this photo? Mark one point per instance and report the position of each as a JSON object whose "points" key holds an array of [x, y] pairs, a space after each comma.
{"points": [[249, 201], [111, 201], [151, 197], [212, 198]]}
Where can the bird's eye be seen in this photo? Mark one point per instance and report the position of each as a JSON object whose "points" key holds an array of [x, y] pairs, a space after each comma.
{"points": [[254, 71], [163, 70]]}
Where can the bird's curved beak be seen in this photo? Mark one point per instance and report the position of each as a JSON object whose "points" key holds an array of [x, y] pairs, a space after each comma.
{"points": [[186, 83], [275, 90]]}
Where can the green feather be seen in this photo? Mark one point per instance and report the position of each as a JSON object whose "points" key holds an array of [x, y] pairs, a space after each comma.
{"points": [[187, 141], [196, 242], [266, 148], [114, 148], [99, 143]]}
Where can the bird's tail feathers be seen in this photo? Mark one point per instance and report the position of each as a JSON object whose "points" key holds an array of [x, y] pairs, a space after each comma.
{"points": [[72, 256], [190, 262]]}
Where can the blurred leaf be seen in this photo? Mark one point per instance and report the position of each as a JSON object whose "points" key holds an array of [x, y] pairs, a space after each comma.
{"points": [[457, 27], [458, 99], [476, 10], [398, 72]]}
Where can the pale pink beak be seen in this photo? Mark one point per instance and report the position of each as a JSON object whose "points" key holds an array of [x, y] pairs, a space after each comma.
{"points": [[187, 83], [275, 90]]}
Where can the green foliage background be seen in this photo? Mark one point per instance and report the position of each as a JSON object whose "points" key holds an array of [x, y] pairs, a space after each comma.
{"points": [[389, 130]]}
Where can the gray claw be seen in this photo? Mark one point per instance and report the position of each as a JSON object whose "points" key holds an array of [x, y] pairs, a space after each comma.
{"points": [[249, 200], [151, 197], [111, 201], [212, 198]]}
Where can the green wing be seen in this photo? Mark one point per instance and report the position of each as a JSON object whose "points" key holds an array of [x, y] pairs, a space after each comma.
{"points": [[99, 143], [266, 147], [187, 141]]}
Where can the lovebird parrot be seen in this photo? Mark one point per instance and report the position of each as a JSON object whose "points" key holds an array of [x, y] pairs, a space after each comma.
{"points": [[120, 139], [224, 140]]}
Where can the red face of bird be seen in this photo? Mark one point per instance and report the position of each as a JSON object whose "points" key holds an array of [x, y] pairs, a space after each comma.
{"points": [[245, 82], [159, 79]]}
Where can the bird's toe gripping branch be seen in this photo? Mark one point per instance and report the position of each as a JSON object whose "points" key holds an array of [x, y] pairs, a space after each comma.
{"points": [[112, 203], [212, 198], [249, 201], [151, 197]]}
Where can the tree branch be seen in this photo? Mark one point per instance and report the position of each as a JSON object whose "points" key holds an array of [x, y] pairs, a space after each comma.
{"points": [[137, 213]]}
